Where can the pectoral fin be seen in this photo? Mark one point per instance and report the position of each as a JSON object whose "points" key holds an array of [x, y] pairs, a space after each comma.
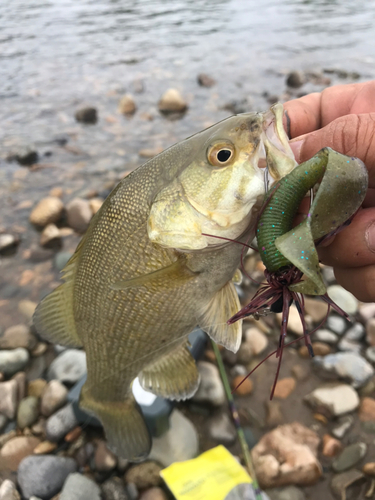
{"points": [[215, 315], [173, 376]]}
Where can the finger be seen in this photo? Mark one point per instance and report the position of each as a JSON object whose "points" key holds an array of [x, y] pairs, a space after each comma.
{"points": [[359, 281], [352, 135], [355, 245]]}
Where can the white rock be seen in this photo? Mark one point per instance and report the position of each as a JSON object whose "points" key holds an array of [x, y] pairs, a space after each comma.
{"points": [[13, 360], [337, 399], [48, 210], [50, 233], [127, 105], [294, 321], [343, 298], [337, 324], [79, 214], [68, 367], [171, 101], [211, 388], [347, 365], [54, 396], [8, 491], [257, 340], [327, 336]]}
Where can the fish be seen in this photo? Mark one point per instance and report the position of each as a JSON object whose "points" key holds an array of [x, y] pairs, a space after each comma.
{"points": [[151, 267]]}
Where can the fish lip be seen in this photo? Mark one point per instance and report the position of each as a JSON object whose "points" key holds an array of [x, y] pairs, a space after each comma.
{"points": [[277, 134]]}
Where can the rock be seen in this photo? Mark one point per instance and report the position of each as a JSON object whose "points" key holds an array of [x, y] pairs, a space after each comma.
{"points": [[287, 455], [36, 387], [343, 298], [48, 211], [54, 396], [347, 345], [244, 354], [73, 435], [370, 331], [149, 152], [274, 415], [44, 448], [336, 323], [295, 79], [8, 435], [144, 475], [61, 259], [294, 322], [284, 387], [366, 311], [36, 368], [95, 204], [114, 489], [172, 101], [369, 469], [211, 388], [326, 336], [221, 429], [334, 399], [300, 372], [87, 115], [127, 105], [245, 388], [59, 424], [315, 308], [3, 422], [13, 361], [17, 336], [8, 491], [16, 449], [331, 446], [8, 241], [340, 482], [205, 80], [27, 308], [79, 487], [44, 475], [320, 349], [50, 235], [104, 459], [8, 398], [179, 443], [288, 493], [79, 214], [346, 365], [367, 410], [370, 354], [28, 412], [68, 367], [257, 340], [25, 156], [153, 494], [349, 457], [355, 333], [344, 424]]}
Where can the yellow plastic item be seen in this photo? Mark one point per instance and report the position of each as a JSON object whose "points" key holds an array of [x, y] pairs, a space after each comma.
{"points": [[211, 476]]}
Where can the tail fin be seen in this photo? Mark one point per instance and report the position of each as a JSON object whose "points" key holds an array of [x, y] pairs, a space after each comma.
{"points": [[124, 425]]}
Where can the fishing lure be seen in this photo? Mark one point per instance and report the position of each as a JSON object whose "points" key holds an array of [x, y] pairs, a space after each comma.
{"points": [[289, 253]]}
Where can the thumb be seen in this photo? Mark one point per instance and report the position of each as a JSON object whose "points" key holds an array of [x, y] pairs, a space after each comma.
{"points": [[352, 135]]}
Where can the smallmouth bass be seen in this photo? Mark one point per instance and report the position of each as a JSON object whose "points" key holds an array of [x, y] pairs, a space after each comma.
{"points": [[145, 275]]}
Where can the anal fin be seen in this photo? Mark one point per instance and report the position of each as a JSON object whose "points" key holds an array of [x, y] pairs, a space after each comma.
{"points": [[173, 376], [215, 314]]}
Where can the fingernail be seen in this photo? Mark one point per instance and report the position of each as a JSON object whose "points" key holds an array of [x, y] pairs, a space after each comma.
{"points": [[296, 146], [370, 236]]}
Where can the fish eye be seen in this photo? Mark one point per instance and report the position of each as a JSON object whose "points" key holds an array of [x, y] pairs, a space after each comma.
{"points": [[221, 155]]}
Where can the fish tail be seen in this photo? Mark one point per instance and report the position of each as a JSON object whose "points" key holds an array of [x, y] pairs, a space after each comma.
{"points": [[125, 428]]}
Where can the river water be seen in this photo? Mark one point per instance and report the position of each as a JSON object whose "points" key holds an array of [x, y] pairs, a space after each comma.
{"points": [[59, 55]]}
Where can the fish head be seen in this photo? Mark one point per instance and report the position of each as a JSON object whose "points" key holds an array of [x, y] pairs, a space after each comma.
{"points": [[222, 184]]}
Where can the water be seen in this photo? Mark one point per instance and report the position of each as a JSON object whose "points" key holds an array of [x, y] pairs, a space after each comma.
{"points": [[58, 55]]}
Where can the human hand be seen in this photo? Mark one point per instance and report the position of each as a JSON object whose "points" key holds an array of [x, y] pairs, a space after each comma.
{"points": [[343, 118]]}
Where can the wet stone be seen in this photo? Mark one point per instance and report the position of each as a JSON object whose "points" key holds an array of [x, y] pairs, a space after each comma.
{"points": [[13, 361], [114, 489], [8, 398], [336, 324], [17, 336], [144, 475], [211, 388], [349, 457], [346, 365], [205, 80], [28, 412], [8, 241], [61, 423], [221, 429], [8, 491], [79, 487], [54, 396], [88, 115], [295, 79], [16, 449], [44, 475], [68, 367], [342, 427]]}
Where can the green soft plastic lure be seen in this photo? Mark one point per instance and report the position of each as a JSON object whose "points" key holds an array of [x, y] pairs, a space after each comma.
{"points": [[289, 253]]}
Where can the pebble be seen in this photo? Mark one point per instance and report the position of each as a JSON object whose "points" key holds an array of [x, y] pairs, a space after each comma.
{"points": [[179, 443], [144, 475], [367, 311], [343, 298], [48, 210], [79, 214], [300, 372], [79, 487], [127, 105], [320, 349], [326, 336], [367, 410], [3, 422], [349, 457], [205, 80], [356, 332], [244, 354], [50, 235], [7, 436], [45, 447], [370, 354], [95, 204], [245, 388], [284, 387], [221, 429], [340, 482], [172, 101], [331, 446], [104, 459], [54, 396], [36, 387], [347, 345], [149, 152], [87, 115], [27, 308], [335, 399], [13, 361], [61, 259], [17, 336], [153, 494], [211, 388], [344, 424], [73, 435], [8, 241], [256, 339], [26, 155], [274, 415], [295, 79], [8, 491], [68, 367], [369, 469], [317, 309], [370, 331], [59, 424], [8, 398], [294, 322], [16, 449], [44, 475], [36, 368], [337, 324], [288, 493], [114, 489], [28, 412], [346, 365]]}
